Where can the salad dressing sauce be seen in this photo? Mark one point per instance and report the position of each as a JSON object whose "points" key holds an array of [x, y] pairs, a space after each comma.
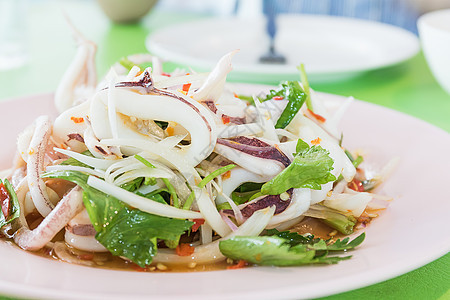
{"points": [[109, 261]]}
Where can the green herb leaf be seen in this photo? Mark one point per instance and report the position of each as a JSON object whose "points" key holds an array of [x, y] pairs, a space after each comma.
{"points": [[305, 84], [14, 207], [124, 231], [132, 232], [344, 244], [342, 223], [301, 146], [310, 169], [128, 64], [133, 185], [214, 174], [293, 238], [292, 91], [264, 250], [286, 249], [355, 161]]}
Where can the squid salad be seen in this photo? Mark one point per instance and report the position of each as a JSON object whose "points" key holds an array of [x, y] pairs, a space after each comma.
{"points": [[157, 170]]}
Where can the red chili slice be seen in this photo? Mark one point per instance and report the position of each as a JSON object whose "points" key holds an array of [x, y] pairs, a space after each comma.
{"points": [[186, 87], [184, 249], [197, 224], [242, 263], [5, 201], [225, 119], [316, 116], [356, 185]]}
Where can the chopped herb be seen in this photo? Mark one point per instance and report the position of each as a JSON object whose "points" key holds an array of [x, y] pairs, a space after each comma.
{"points": [[144, 161], [215, 174], [305, 84], [355, 161], [292, 91], [205, 181], [133, 185]]}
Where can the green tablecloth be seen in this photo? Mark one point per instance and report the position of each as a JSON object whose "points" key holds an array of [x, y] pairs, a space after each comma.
{"points": [[409, 88]]}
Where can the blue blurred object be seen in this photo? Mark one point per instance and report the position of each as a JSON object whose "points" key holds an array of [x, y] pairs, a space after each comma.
{"points": [[272, 57], [396, 12]]}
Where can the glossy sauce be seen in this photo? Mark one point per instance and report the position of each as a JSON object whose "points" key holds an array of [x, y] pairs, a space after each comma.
{"points": [[108, 261]]}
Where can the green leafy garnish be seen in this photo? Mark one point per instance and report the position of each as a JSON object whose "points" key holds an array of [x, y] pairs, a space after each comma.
{"points": [[215, 174], [120, 229], [205, 181], [128, 64], [13, 205], [286, 249], [305, 84], [342, 223], [355, 161], [133, 185], [310, 169], [248, 99], [293, 92]]}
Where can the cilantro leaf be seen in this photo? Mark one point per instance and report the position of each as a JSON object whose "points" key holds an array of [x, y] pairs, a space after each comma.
{"points": [[310, 169], [344, 244], [124, 231]]}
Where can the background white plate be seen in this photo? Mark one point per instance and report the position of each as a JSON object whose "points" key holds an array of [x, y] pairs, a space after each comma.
{"points": [[331, 47], [410, 233]]}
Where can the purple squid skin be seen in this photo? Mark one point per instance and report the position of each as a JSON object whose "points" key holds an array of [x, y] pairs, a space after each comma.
{"points": [[267, 201], [255, 147]]}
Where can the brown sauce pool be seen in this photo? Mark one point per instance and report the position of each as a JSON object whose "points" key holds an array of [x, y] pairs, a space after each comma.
{"points": [[109, 261]]}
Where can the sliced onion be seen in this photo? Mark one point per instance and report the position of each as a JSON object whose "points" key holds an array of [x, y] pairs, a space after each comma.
{"points": [[142, 203]]}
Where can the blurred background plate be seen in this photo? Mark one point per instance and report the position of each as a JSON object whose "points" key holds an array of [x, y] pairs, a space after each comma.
{"points": [[332, 48]]}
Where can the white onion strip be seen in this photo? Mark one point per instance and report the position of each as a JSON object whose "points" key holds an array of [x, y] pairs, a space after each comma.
{"points": [[89, 171], [142, 203], [97, 163]]}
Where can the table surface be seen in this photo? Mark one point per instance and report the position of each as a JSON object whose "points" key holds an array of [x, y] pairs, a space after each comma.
{"points": [[408, 87]]}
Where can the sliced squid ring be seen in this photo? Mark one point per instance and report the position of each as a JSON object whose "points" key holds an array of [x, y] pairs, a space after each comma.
{"points": [[35, 165], [195, 118]]}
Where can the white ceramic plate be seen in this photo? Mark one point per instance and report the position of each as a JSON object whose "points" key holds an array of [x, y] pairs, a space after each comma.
{"points": [[418, 214], [331, 48]]}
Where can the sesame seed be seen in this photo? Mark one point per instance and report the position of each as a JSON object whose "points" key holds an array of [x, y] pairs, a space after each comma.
{"points": [[284, 196], [333, 233]]}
